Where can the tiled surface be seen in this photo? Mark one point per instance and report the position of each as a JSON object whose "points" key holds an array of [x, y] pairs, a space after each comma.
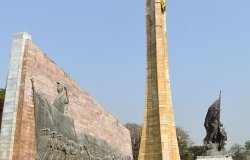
{"points": [[89, 116], [158, 141], [8, 127]]}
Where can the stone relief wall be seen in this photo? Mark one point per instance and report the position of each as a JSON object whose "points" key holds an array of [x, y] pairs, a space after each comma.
{"points": [[89, 116], [1, 112], [56, 137]]}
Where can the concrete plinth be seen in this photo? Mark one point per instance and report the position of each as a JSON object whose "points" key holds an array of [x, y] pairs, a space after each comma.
{"points": [[225, 157]]}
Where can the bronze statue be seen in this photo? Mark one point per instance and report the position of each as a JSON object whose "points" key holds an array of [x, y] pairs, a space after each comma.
{"points": [[211, 122], [223, 137], [214, 126], [163, 6], [216, 136]]}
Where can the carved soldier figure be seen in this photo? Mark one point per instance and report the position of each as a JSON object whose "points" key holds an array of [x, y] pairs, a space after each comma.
{"points": [[59, 147], [81, 153], [48, 147], [89, 152], [78, 151], [43, 144], [52, 145], [64, 147], [108, 157], [67, 150], [62, 99], [84, 154], [72, 150]]}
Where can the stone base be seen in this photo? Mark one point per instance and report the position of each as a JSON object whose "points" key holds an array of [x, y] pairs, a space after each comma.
{"points": [[226, 157], [213, 150]]}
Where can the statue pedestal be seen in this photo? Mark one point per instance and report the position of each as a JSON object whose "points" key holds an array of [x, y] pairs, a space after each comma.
{"points": [[213, 150], [214, 154], [225, 157]]}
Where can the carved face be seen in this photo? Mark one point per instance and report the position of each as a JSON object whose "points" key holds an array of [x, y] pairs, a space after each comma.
{"points": [[53, 134], [59, 88], [59, 137], [47, 131], [65, 140]]}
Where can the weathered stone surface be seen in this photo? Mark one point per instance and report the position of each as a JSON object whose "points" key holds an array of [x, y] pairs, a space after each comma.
{"points": [[56, 137], [1, 112], [158, 141], [89, 116], [13, 90]]}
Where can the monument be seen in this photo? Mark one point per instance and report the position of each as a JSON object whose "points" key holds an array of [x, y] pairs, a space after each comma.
{"points": [[48, 116], [216, 136], [158, 140]]}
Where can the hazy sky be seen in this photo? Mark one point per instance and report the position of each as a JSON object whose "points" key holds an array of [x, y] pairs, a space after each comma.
{"points": [[101, 44]]}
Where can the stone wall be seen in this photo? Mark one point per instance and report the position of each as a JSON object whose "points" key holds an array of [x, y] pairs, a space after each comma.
{"points": [[89, 116], [1, 109], [214, 157], [1, 112]]}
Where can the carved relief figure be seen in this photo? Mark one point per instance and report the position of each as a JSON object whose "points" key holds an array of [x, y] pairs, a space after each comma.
{"points": [[53, 146], [72, 150], [59, 147], [60, 142], [43, 146], [62, 99]]}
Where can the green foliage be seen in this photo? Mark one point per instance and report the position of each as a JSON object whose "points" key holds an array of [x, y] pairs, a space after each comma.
{"points": [[135, 132], [186, 148], [239, 152], [197, 151], [184, 142], [247, 145], [2, 95]]}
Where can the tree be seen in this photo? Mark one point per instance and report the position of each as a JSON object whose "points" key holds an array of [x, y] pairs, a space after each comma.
{"points": [[197, 151], [184, 142], [183, 137], [247, 149], [186, 148], [247, 145], [2, 95], [238, 153], [135, 132]]}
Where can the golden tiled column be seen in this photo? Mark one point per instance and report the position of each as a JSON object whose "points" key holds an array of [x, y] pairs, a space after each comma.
{"points": [[158, 141]]}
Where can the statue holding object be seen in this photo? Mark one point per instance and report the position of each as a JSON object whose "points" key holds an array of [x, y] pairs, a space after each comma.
{"points": [[216, 136]]}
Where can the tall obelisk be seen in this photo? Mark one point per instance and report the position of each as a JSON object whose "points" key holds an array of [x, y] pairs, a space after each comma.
{"points": [[158, 141]]}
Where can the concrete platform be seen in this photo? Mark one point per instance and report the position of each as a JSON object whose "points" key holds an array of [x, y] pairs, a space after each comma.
{"points": [[226, 157]]}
